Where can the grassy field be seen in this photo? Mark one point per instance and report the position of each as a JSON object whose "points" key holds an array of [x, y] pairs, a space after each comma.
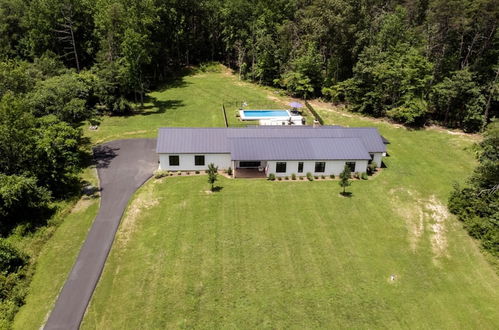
{"points": [[192, 100], [281, 254], [56, 260], [297, 254]]}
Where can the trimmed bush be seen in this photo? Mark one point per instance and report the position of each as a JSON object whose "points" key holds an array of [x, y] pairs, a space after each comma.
{"points": [[323, 177], [160, 174], [372, 168], [293, 176], [197, 172], [286, 178], [271, 177], [279, 178], [363, 175], [229, 171], [310, 177], [356, 175], [332, 176], [301, 178], [179, 173]]}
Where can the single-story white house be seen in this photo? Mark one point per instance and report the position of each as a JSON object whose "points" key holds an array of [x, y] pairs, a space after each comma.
{"points": [[281, 150]]}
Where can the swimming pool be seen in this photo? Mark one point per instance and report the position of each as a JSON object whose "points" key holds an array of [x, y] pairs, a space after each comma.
{"points": [[264, 114]]}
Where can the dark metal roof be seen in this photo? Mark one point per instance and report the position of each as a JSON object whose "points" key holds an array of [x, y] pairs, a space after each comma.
{"points": [[297, 148], [346, 140]]}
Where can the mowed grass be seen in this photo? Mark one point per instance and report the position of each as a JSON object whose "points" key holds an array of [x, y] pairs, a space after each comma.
{"points": [[191, 100], [262, 254], [56, 260]]}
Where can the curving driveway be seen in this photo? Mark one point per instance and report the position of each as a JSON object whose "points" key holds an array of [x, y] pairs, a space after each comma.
{"points": [[123, 166]]}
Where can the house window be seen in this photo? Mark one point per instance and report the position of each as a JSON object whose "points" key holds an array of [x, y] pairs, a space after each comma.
{"points": [[300, 167], [280, 167], [351, 165], [199, 160], [174, 160], [320, 167]]}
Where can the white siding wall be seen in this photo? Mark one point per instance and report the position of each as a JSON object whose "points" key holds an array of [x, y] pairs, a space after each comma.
{"points": [[223, 161], [332, 167], [378, 158]]}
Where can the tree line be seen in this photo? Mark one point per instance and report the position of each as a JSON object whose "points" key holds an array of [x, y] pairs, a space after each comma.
{"points": [[414, 61]]}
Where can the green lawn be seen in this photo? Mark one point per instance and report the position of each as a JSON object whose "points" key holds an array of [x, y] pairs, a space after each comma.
{"points": [[297, 254], [192, 100], [280, 254], [56, 260]]}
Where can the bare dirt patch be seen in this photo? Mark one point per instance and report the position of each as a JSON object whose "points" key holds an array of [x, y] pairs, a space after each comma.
{"points": [[145, 200], [82, 204], [423, 216]]}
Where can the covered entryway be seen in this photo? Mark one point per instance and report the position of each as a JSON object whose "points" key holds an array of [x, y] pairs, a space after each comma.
{"points": [[250, 169]]}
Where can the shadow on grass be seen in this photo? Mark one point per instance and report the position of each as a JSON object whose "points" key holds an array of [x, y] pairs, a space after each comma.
{"points": [[346, 194], [217, 189], [158, 106]]}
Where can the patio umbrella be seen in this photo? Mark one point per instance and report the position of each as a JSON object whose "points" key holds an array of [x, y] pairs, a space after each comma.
{"points": [[295, 105]]}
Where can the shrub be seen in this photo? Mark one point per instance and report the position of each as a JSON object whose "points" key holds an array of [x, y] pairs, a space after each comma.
{"points": [[271, 177], [197, 172], [229, 171], [293, 176], [364, 176], [160, 174], [188, 173], [179, 173], [356, 175], [286, 178], [332, 176], [323, 177], [279, 178], [301, 178], [316, 177], [371, 168], [11, 259], [310, 176]]}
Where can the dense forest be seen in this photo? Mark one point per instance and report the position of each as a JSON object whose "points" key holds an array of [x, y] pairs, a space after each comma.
{"points": [[415, 61], [62, 63]]}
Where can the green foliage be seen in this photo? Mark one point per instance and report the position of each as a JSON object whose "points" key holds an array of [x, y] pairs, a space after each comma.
{"points": [[372, 168], [20, 199], [458, 101], [345, 176], [363, 176], [68, 96], [212, 175], [11, 259], [271, 177], [310, 177], [293, 176], [477, 204], [229, 171]]}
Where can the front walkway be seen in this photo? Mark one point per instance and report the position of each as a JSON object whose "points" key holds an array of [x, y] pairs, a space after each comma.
{"points": [[123, 166]]}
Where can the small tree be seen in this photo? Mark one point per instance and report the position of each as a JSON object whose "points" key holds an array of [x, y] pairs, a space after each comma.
{"points": [[345, 178], [212, 175]]}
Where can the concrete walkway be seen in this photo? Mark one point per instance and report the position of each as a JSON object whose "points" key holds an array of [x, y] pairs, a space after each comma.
{"points": [[123, 166]]}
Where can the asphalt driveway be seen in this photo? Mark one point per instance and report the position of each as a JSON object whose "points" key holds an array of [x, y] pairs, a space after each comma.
{"points": [[123, 166]]}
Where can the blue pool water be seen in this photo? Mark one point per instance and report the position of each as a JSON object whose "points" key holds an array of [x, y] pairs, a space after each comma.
{"points": [[265, 113]]}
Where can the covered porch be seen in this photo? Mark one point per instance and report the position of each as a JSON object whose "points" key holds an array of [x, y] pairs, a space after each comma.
{"points": [[250, 169]]}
